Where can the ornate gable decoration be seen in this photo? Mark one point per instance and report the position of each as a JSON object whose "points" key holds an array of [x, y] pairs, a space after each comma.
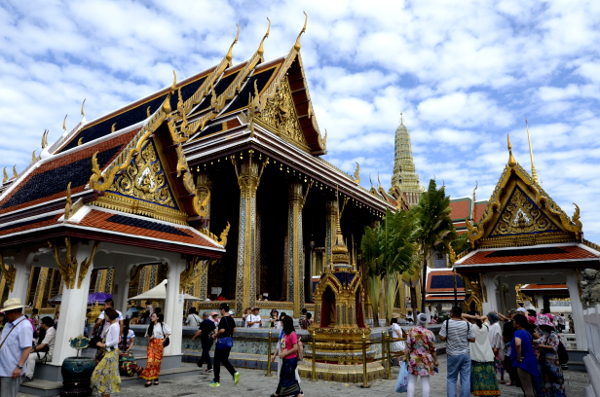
{"points": [[280, 114], [521, 213]]}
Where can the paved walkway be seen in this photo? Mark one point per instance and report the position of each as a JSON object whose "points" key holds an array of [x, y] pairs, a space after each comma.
{"points": [[255, 383]]}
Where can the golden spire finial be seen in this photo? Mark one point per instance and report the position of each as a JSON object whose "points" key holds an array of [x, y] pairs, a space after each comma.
{"points": [[45, 139], [5, 179], [83, 107], [297, 45], [33, 157], [113, 127], [174, 85], [357, 173], [261, 49], [533, 171], [511, 160], [229, 55], [401, 118], [65, 123], [15, 174], [148, 111]]}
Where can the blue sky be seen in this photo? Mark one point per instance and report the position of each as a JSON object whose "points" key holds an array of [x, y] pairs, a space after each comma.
{"points": [[464, 73]]}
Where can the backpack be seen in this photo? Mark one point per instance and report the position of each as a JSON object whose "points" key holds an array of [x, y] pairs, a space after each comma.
{"points": [[563, 355]]}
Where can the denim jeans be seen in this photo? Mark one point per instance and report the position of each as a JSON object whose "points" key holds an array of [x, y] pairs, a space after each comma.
{"points": [[459, 364]]}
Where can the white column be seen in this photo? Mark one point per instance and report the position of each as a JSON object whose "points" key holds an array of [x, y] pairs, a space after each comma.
{"points": [[577, 309], [121, 289], [174, 305], [72, 309], [540, 301], [492, 298], [23, 271]]}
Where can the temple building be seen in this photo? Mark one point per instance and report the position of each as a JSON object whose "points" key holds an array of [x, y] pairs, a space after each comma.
{"points": [[405, 179], [525, 242], [231, 155]]}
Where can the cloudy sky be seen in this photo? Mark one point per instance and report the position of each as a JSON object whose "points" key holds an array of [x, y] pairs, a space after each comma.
{"points": [[464, 73]]}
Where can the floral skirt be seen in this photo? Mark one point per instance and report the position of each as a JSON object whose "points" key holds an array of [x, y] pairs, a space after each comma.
{"points": [[127, 364], [483, 379], [155, 356], [553, 381], [106, 377]]}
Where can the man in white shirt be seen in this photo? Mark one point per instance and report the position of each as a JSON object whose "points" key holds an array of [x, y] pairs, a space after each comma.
{"points": [[192, 320], [15, 345], [43, 351], [108, 303], [254, 320]]}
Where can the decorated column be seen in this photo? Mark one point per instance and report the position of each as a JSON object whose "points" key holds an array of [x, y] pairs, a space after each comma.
{"points": [[248, 174], [18, 277], [294, 249], [174, 304], [75, 267], [204, 189]]}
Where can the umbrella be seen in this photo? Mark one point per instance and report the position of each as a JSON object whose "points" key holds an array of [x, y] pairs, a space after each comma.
{"points": [[160, 292], [133, 309], [98, 297]]}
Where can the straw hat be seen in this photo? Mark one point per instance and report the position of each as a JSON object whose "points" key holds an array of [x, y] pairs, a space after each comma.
{"points": [[395, 315], [12, 304]]}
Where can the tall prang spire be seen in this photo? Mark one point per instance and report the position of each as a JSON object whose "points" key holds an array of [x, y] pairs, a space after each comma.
{"points": [[405, 176]]}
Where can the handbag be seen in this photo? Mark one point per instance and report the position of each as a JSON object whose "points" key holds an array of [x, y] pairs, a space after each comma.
{"points": [[226, 342], [402, 382], [167, 341]]}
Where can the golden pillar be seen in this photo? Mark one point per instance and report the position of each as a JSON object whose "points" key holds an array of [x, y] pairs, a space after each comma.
{"points": [[330, 231], [248, 174], [294, 249], [38, 298], [204, 190]]}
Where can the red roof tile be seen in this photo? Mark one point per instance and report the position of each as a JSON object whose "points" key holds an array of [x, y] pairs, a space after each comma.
{"points": [[29, 224], [460, 209], [479, 209], [571, 252], [98, 220]]}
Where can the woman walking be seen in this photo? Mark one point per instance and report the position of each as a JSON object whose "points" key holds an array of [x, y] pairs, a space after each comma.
{"points": [[420, 355], [225, 331], [156, 333], [288, 384], [523, 357], [552, 376], [483, 372], [106, 377], [397, 347], [127, 364]]}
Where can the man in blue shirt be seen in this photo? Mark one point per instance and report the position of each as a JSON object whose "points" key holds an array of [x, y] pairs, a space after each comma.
{"points": [[15, 345]]}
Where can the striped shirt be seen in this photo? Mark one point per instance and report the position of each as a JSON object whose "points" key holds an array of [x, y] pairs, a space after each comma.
{"points": [[457, 338]]}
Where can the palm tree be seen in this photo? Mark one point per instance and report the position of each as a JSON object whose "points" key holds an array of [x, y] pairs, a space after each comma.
{"points": [[387, 251], [434, 229]]}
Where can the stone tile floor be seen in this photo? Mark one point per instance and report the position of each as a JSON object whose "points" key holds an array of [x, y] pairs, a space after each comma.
{"points": [[255, 383]]}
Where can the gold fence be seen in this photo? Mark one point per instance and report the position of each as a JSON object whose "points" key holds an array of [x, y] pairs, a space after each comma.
{"points": [[363, 346]]}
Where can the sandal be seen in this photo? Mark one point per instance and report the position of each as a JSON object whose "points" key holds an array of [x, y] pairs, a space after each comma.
{"points": [[156, 382], [148, 384]]}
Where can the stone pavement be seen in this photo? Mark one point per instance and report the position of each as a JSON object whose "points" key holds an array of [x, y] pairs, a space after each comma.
{"points": [[255, 383]]}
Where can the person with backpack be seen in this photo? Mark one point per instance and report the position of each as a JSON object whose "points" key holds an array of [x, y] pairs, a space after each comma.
{"points": [[157, 333], [288, 384], [457, 333], [552, 375]]}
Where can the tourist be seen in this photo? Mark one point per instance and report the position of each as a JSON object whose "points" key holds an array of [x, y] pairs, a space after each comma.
{"points": [[56, 317], [215, 318], [409, 317], [221, 298], [553, 380], [288, 384], [483, 372], [100, 321], [397, 346], [44, 350], [225, 330], [497, 344], [420, 355], [15, 345], [157, 332], [508, 333], [560, 322], [275, 355], [523, 356], [106, 377], [309, 321], [247, 312], [192, 320], [206, 332], [302, 319], [457, 333], [149, 308], [254, 320], [36, 318], [274, 319], [127, 364]]}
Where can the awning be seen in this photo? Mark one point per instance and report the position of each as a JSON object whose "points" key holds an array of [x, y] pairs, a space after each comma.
{"points": [[160, 292]]}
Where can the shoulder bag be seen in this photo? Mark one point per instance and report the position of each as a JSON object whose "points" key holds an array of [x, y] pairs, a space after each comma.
{"points": [[9, 332], [226, 342], [167, 341]]}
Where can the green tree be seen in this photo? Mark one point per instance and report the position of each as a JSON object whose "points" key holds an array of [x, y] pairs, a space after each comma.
{"points": [[434, 230], [387, 251]]}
